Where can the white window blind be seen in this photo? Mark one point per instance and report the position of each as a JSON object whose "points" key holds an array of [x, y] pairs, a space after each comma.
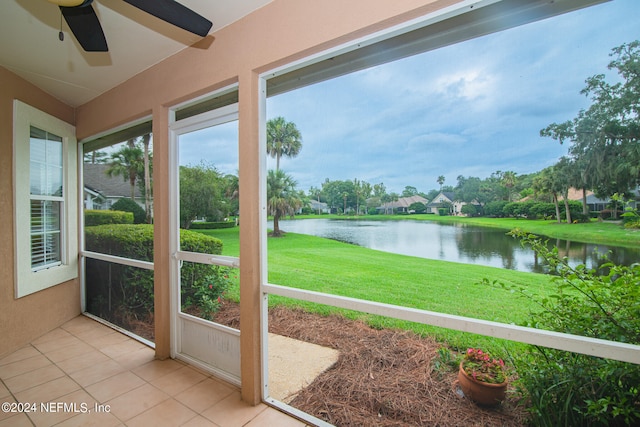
{"points": [[47, 201], [45, 234]]}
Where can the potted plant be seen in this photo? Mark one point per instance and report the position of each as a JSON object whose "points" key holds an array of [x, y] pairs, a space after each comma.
{"points": [[482, 378]]}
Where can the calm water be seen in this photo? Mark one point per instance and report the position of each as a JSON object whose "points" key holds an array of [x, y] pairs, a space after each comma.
{"points": [[453, 242]]}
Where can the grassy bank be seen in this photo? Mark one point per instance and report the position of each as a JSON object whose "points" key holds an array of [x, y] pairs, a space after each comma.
{"points": [[324, 265], [604, 232]]}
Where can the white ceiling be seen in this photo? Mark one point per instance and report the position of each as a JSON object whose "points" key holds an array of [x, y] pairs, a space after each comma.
{"points": [[30, 47]]}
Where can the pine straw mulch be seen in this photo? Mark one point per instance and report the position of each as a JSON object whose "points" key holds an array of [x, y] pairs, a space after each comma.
{"points": [[382, 377]]}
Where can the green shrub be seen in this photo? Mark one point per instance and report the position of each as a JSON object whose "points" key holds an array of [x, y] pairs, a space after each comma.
{"points": [[495, 208], [130, 289], [126, 240], [211, 225], [418, 207], [100, 217], [469, 210], [633, 224], [128, 205], [580, 217], [575, 208], [544, 210], [520, 209], [567, 388], [631, 218]]}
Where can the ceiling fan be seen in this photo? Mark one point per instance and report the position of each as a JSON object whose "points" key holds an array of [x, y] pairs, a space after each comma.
{"points": [[85, 26]]}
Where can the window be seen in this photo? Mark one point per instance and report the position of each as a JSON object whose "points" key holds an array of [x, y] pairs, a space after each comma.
{"points": [[47, 201], [117, 276], [45, 194]]}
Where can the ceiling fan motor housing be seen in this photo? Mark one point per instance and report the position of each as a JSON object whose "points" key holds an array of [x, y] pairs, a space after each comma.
{"points": [[71, 3]]}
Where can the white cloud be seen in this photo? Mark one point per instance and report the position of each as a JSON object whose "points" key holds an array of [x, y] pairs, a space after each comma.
{"points": [[468, 109]]}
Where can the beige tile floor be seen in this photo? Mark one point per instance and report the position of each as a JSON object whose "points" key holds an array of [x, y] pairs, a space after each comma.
{"points": [[86, 374]]}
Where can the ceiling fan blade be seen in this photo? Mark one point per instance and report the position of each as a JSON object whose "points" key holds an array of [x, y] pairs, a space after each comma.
{"points": [[85, 26], [176, 14]]}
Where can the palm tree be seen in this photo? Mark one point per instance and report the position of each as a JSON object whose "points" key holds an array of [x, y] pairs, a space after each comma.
{"points": [[283, 139], [344, 199], [440, 181], [563, 175], [282, 197], [546, 183], [231, 193], [95, 156], [147, 176], [127, 162], [357, 186], [509, 181]]}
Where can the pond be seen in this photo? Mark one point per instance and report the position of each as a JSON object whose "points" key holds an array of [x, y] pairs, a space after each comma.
{"points": [[454, 242]]}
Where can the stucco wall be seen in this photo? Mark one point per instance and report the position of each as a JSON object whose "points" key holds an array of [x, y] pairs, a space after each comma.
{"points": [[22, 320]]}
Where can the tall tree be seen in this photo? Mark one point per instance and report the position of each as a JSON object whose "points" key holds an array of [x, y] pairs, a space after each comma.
{"points": [[409, 191], [605, 137], [509, 181], [128, 163], [334, 192], [283, 139], [361, 190], [231, 193], [545, 183], [379, 190], [393, 197], [440, 181], [564, 178], [282, 197], [365, 192], [201, 189], [475, 190], [146, 161], [357, 187], [96, 156]]}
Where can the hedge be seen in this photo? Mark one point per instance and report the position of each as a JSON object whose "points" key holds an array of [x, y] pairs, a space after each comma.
{"points": [[136, 241], [114, 289], [100, 217], [212, 225], [128, 205]]}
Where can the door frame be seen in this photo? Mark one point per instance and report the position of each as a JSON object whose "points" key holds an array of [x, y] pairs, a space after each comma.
{"points": [[205, 344]]}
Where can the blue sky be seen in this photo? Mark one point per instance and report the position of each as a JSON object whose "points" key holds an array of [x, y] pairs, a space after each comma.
{"points": [[469, 109]]}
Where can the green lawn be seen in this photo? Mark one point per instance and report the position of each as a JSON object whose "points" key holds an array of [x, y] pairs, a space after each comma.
{"points": [[324, 265]]}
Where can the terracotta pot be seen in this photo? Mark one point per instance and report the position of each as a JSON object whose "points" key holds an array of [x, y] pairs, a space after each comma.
{"points": [[481, 392]]}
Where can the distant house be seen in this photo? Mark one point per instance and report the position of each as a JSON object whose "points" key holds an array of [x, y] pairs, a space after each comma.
{"points": [[444, 199], [402, 204], [596, 204], [101, 191], [447, 199], [319, 207]]}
